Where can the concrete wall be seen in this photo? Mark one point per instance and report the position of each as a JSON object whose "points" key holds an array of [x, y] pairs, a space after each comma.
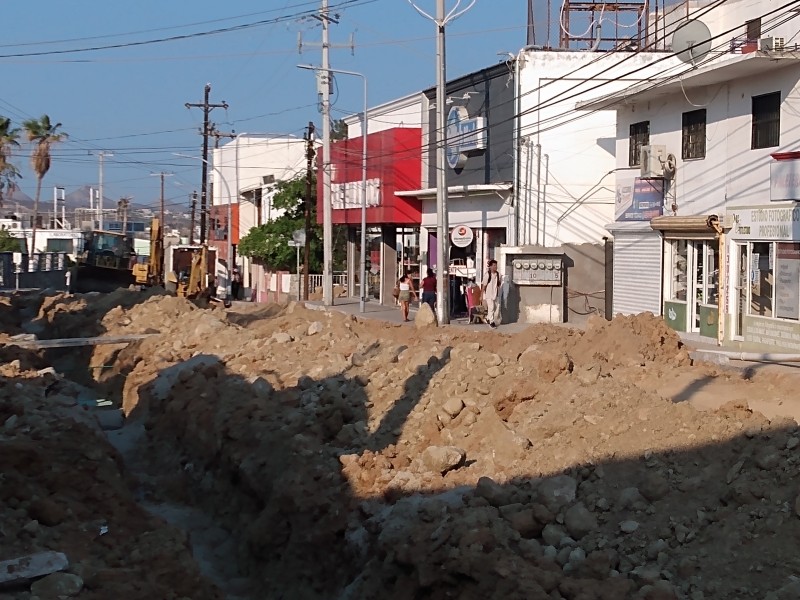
{"points": [[43, 279], [581, 294], [566, 157], [403, 112], [731, 173]]}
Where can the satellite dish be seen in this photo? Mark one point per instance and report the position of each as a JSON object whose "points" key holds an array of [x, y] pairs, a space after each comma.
{"points": [[691, 42]]}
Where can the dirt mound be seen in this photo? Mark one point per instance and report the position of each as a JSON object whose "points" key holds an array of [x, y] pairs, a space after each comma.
{"points": [[354, 459]]}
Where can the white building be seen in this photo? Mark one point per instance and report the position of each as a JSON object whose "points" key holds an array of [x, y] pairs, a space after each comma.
{"points": [[245, 173], [707, 184]]}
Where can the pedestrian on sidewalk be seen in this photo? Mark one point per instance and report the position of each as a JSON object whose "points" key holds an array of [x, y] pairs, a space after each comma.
{"points": [[429, 290], [490, 287], [406, 287], [236, 283]]}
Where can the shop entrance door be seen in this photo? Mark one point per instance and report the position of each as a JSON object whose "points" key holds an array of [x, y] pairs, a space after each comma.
{"points": [[742, 288], [704, 290]]}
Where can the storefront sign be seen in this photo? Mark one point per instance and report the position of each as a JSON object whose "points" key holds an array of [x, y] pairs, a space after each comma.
{"points": [[348, 195], [462, 236], [465, 136], [640, 200], [772, 333], [787, 297], [771, 223], [784, 180]]}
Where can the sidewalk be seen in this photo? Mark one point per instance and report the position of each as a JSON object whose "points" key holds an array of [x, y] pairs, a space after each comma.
{"points": [[391, 314]]}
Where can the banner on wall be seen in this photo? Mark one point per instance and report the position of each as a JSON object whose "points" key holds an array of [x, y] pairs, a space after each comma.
{"points": [[639, 200], [787, 275], [766, 223]]}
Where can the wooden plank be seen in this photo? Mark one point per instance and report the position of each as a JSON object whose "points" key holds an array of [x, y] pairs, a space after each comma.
{"points": [[74, 342]]}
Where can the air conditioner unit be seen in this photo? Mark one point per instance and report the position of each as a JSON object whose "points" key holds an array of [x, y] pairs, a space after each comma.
{"points": [[772, 44], [267, 179], [651, 161]]}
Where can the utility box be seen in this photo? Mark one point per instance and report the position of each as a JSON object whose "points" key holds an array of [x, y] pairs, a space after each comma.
{"points": [[537, 269]]}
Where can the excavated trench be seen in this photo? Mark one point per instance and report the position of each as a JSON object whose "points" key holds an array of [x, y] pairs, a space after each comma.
{"points": [[311, 456]]}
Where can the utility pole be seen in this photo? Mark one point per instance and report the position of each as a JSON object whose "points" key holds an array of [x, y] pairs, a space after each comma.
{"points": [[102, 156], [217, 134], [310, 196], [207, 108], [122, 212], [327, 209], [443, 228], [194, 208], [162, 175]]}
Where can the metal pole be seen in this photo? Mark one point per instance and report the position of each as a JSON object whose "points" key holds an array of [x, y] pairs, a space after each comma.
{"points": [[103, 155], [364, 133], [442, 228], [299, 292], [327, 212]]}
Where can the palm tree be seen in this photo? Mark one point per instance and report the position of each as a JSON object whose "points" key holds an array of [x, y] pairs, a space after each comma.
{"points": [[8, 172], [43, 134]]}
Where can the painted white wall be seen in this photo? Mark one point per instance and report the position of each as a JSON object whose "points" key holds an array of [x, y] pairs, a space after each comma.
{"points": [[731, 174], [479, 211], [403, 112], [243, 162], [575, 191]]}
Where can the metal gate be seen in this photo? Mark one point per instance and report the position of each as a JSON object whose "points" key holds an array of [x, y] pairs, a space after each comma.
{"points": [[637, 272]]}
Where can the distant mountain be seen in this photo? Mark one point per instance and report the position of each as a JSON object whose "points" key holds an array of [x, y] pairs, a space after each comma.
{"points": [[17, 196]]}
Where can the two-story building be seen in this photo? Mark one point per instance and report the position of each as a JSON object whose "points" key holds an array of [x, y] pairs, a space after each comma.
{"points": [[707, 225]]}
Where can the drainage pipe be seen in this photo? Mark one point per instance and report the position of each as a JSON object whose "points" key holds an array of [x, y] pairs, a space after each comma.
{"points": [[756, 356]]}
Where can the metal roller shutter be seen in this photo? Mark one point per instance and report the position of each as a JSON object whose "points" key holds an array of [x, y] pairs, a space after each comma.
{"points": [[637, 272]]}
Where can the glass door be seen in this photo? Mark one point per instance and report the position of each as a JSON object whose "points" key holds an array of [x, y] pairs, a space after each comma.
{"points": [[742, 288]]}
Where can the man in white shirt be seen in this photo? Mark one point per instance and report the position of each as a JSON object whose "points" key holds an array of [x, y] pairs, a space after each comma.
{"points": [[491, 288]]}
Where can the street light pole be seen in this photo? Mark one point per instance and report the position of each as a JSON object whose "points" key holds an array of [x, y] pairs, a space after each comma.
{"points": [[364, 134], [441, 19]]}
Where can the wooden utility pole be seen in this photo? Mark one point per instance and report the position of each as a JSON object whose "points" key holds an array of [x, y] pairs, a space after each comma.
{"points": [[307, 204], [207, 108], [194, 208], [122, 210], [162, 175]]}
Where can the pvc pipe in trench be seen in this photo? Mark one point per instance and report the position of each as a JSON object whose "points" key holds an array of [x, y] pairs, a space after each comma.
{"points": [[756, 356]]}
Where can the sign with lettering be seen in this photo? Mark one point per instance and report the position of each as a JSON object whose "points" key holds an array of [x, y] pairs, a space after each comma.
{"points": [[787, 275], [465, 136], [784, 180], [462, 236], [640, 200], [349, 194], [767, 223]]}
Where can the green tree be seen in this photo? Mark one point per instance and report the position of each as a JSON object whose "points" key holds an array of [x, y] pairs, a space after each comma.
{"points": [[8, 243], [42, 134], [338, 130], [269, 242], [8, 172]]}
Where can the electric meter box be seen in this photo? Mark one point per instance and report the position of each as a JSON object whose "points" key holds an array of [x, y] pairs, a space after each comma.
{"points": [[537, 269]]}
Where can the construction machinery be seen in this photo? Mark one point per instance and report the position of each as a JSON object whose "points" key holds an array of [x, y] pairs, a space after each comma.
{"points": [[191, 270], [108, 261]]}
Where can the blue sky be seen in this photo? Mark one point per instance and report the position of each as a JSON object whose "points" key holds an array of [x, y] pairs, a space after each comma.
{"points": [[130, 100]]}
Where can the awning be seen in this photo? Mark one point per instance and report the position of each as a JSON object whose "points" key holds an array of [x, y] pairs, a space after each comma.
{"points": [[458, 190], [694, 224]]}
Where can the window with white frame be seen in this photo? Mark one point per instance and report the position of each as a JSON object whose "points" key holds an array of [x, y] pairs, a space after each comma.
{"points": [[678, 272]]}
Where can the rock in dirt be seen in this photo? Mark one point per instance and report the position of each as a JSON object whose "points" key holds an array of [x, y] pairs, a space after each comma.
{"points": [[23, 569], [556, 492], [441, 459], [315, 328], [425, 318], [453, 406], [579, 521], [58, 585]]}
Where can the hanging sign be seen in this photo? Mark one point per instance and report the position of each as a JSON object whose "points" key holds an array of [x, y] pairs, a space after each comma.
{"points": [[462, 236]]}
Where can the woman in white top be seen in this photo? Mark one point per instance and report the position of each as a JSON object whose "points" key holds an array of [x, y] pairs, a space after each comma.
{"points": [[406, 287]]}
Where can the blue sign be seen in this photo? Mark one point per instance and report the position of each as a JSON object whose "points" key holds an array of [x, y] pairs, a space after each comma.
{"points": [[640, 201], [465, 135]]}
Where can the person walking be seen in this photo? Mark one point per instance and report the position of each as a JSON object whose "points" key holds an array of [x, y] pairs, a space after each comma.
{"points": [[236, 283], [491, 288], [406, 287], [429, 290]]}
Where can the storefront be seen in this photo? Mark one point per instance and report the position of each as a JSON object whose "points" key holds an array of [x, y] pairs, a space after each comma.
{"points": [[480, 169], [691, 276], [393, 219], [764, 295]]}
